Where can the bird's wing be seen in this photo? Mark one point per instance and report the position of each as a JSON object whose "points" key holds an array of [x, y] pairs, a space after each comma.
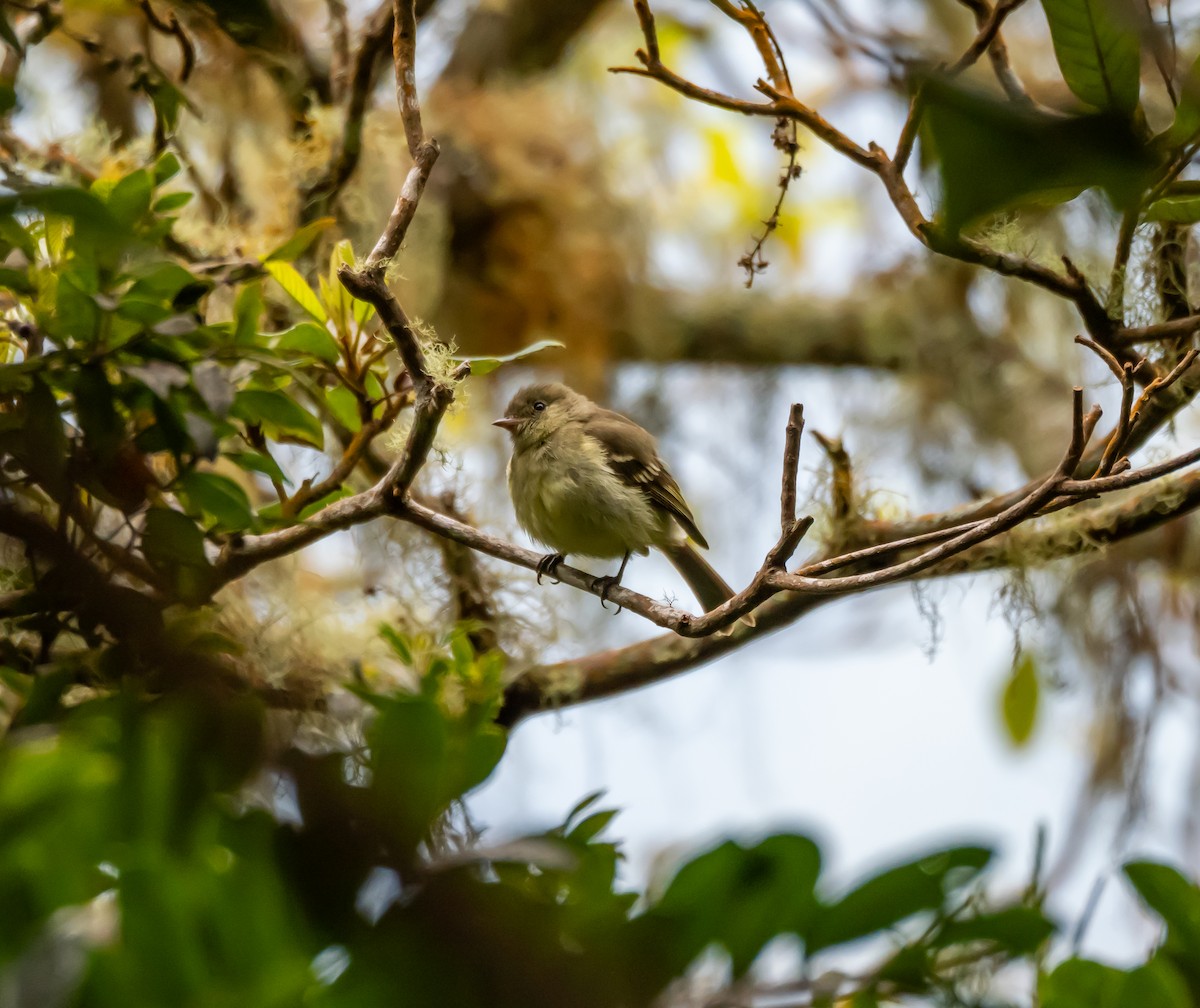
{"points": [[628, 448]]}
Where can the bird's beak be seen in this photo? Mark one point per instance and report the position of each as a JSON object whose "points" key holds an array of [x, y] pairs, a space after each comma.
{"points": [[509, 423]]}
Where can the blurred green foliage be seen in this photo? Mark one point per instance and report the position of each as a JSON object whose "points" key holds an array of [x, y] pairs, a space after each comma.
{"points": [[228, 873]]}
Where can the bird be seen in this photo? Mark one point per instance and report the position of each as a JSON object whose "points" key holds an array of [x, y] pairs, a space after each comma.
{"points": [[588, 481]]}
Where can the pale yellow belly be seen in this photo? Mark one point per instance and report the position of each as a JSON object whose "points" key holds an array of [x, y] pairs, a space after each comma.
{"points": [[576, 507]]}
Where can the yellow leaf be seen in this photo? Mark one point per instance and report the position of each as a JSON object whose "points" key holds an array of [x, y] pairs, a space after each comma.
{"points": [[295, 287]]}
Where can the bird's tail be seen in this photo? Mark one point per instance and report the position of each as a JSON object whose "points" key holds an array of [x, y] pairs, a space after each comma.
{"points": [[707, 585]]}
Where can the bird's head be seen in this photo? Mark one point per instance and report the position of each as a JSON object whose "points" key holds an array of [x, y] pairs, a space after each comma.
{"points": [[538, 410]]}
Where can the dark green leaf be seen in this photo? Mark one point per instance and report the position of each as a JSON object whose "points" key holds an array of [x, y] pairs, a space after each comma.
{"points": [[80, 205], [992, 156], [171, 538], [409, 741], [896, 894], [592, 826], [742, 898], [12, 232], [220, 498], [78, 315], [103, 429], [1174, 897], [174, 546], [1077, 983], [1020, 930], [1155, 985], [1020, 700], [161, 281], [582, 806], [1098, 47], [311, 339], [278, 414], [41, 445], [15, 280]]}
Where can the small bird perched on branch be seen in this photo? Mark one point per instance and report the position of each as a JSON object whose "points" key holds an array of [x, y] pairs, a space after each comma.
{"points": [[589, 481]]}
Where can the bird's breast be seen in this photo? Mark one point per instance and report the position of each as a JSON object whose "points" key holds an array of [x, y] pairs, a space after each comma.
{"points": [[568, 498]]}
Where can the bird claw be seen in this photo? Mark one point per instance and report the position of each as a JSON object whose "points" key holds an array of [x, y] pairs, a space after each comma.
{"points": [[606, 584], [548, 565]]}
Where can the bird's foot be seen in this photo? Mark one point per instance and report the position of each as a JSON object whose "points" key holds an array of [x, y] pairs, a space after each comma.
{"points": [[548, 566], [606, 584]]}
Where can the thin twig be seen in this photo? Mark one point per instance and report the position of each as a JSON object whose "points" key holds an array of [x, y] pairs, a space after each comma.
{"points": [[791, 463], [375, 42], [989, 30], [173, 28], [1173, 329], [404, 52]]}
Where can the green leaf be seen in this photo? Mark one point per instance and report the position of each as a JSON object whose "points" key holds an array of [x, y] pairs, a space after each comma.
{"points": [[253, 461], [896, 894], [172, 201], [274, 512], [409, 740], [1187, 112], [219, 498], [1098, 49], [41, 445], [1078, 983], [1019, 930], [86, 209], [1175, 898], [993, 157], [162, 281], [174, 546], [581, 806], [172, 538], [166, 168], [279, 414], [1175, 210], [486, 365], [247, 311], [103, 429], [298, 244], [741, 898], [311, 339], [15, 280], [397, 642], [129, 200], [592, 826], [1020, 700], [1155, 985], [343, 405]]}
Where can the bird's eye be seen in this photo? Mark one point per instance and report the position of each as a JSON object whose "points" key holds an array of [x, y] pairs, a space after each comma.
{"points": [[539, 406]]}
